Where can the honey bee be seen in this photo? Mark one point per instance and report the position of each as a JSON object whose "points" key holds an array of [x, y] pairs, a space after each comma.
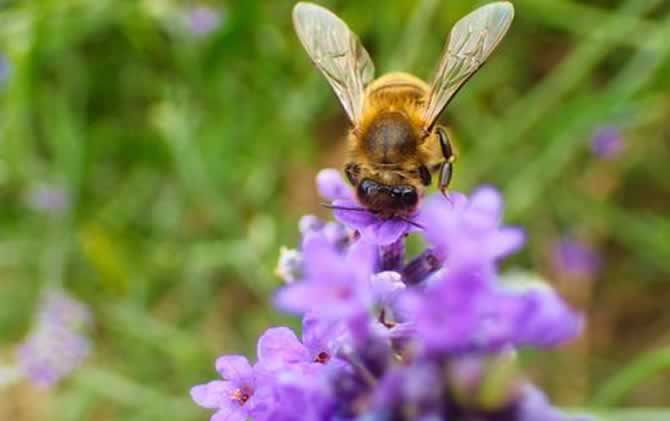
{"points": [[395, 145]]}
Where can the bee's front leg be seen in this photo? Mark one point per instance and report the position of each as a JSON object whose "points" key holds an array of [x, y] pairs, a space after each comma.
{"points": [[446, 169]]}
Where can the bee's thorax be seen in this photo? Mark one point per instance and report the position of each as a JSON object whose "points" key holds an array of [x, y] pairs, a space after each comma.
{"points": [[389, 139]]}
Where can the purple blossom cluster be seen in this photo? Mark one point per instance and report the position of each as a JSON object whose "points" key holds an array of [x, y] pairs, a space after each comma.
{"points": [[57, 345], [386, 337]]}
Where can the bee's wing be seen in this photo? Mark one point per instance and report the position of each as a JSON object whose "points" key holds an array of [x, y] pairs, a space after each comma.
{"points": [[472, 40], [337, 52]]}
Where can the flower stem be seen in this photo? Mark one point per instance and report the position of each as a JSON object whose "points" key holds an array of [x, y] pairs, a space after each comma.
{"points": [[629, 377]]}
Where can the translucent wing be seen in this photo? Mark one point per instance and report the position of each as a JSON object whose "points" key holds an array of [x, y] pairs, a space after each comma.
{"points": [[338, 54], [472, 40]]}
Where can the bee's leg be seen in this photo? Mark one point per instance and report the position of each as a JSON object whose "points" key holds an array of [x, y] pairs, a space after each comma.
{"points": [[445, 144], [446, 169]]}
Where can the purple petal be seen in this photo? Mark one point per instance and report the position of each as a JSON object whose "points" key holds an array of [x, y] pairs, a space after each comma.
{"points": [[322, 261], [386, 286], [309, 223], [235, 368], [386, 232], [231, 413], [261, 403], [213, 394], [487, 200], [322, 335], [298, 298], [361, 259], [332, 186], [547, 320], [506, 241], [279, 346]]}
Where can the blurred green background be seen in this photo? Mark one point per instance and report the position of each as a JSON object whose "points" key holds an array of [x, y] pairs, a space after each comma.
{"points": [[155, 154]]}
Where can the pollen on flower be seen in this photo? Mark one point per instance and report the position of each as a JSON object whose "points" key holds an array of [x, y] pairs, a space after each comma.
{"points": [[241, 395], [322, 357]]}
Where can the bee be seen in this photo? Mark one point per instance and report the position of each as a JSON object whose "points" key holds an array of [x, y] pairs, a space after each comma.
{"points": [[395, 145]]}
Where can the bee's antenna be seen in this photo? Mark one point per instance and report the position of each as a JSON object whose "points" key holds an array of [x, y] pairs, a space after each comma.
{"points": [[346, 208], [411, 222]]}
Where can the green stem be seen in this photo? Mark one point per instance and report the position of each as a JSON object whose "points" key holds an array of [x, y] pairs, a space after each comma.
{"points": [[631, 376]]}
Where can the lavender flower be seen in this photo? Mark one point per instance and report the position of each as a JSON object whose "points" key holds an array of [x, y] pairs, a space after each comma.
{"points": [[203, 20], [56, 347], [434, 338], [279, 348], [244, 392], [51, 199], [607, 142], [575, 258]]}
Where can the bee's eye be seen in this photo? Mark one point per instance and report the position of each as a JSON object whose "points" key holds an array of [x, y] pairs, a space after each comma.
{"points": [[426, 178], [406, 195], [409, 197]]}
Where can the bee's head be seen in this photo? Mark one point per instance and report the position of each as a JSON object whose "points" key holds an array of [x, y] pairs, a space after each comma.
{"points": [[387, 200], [386, 193]]}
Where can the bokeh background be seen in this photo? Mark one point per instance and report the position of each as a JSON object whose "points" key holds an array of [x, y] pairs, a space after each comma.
{"points": [[155, 154]]}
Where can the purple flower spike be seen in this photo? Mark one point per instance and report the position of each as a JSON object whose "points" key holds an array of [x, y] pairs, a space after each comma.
{"points": [[430, 339], [377, 230], [574, 258], [203, 20], [607, 143], [51, 353], [242, 394], [57, 345]]}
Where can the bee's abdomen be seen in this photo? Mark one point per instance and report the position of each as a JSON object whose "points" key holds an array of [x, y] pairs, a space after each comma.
{"points": [[390, 138]]}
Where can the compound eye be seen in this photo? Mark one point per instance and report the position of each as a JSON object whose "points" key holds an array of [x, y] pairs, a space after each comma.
{"points": [[409, 198], [368, 187]]}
